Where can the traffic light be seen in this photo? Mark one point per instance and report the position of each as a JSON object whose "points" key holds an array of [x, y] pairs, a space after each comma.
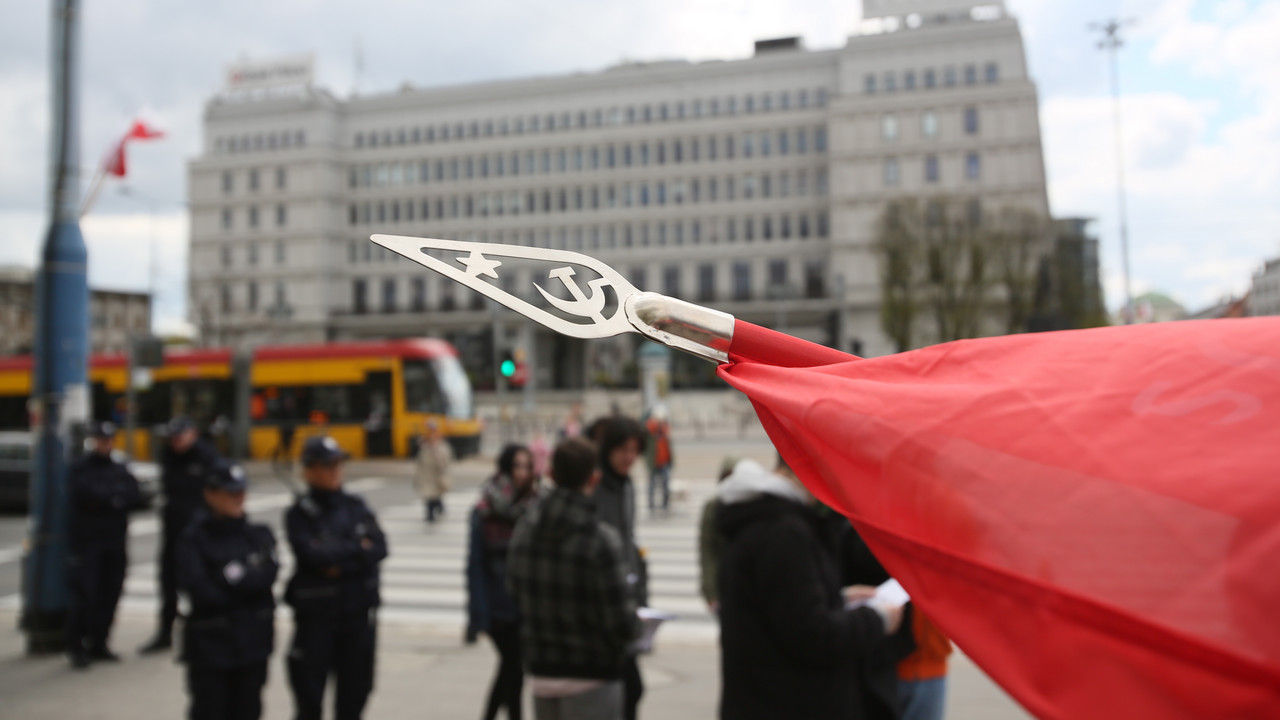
{"points": [[507, 366]]}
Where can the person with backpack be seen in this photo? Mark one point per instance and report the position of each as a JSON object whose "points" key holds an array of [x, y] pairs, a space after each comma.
{"points": [[659, 457]]}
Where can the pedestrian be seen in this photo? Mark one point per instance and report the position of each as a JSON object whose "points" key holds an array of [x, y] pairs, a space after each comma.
{"points": [[102, 493], [659, 457], [185, 460], [226, 569], [572, 426], [567, 573], [431, 476], [860, 572], [621, 442], [789, 645], [541, 454], [913, 687], [709, 542], [505, 497], [922, 676], [337, 548]]}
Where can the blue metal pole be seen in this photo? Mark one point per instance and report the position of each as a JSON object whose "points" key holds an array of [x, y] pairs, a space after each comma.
{"points": [[60, 398]]}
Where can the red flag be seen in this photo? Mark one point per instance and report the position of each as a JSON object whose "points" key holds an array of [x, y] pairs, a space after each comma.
{"points": [[1093, 516], [140, 130]]}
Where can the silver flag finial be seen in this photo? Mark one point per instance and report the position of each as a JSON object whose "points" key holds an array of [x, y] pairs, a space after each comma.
{"points": [[600, 302]]}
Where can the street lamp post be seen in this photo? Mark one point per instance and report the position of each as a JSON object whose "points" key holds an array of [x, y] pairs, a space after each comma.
{"points": [[60, 401], [1111, 42]]}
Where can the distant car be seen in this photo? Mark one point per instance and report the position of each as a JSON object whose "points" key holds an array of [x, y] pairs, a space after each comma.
{"points": [[16, 450]]}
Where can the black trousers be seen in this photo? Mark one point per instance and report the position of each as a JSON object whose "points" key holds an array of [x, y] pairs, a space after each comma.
{"points": [[632, 688], [96, 577], [170, 531], [343, 646], [226, 694], [508, 683]]}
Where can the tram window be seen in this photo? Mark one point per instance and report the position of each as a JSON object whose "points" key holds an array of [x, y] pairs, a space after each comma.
{"points": [[340, 403], [421, 389]]}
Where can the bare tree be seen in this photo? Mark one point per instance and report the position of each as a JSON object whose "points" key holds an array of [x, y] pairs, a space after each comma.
{"points": [[1018, 241], [939, 261], [898, 245]]}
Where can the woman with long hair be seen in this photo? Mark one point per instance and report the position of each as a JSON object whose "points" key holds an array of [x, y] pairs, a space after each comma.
{"points": [[504, 499]]}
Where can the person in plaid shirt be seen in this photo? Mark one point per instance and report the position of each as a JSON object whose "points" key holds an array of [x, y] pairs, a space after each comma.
{"points": [[567, 574]]}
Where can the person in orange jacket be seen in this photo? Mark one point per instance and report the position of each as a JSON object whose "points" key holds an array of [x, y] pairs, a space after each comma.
{"points": [[922, 675]]}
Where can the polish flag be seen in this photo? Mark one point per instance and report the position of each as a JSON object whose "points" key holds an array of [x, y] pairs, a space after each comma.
{"points": [[1093, 516], [114, 164]]}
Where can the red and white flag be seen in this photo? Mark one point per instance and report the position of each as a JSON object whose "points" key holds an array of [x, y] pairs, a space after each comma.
{"points": [[114, 164], [1093, 516]]}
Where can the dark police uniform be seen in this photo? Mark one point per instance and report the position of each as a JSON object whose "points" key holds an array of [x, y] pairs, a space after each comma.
{"points": [[337, 547], [182, 477], [226, 568], [102, 493]]}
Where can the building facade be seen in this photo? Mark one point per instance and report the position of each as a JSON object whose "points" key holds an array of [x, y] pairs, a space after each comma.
{"points": [[114, 316], [1264, 296], [753, 186]]}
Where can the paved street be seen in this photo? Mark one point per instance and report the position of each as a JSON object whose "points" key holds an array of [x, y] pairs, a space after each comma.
{"points": [[424, 669]]}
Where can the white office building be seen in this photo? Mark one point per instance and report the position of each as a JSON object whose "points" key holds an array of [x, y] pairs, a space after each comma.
{"points": [[753, 186], [1264, 296]]}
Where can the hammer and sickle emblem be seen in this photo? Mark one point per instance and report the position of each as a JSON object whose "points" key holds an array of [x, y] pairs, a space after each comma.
{"points": [[580, 305]]}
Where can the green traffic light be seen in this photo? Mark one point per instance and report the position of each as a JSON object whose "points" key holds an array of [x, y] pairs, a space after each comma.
{"points": [[508, 368]]}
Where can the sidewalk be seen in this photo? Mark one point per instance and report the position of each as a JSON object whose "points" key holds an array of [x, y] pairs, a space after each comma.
{"points": [[424, 671]]}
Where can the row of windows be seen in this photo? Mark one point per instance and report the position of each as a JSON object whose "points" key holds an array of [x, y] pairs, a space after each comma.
{"points": [[623, 155], [252, 254], [778, 283], [253, 303], [629, 115], [675, 233], [253, 217], [595, 197], [281, 140], [253, 180], [931, 170], [890, 128], [929, 78]]}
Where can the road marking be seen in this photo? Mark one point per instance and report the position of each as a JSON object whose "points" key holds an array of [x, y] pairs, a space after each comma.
{"points": [[142, 527]]}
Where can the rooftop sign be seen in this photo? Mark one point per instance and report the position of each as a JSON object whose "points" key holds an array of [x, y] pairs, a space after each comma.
{"points": [[290, 71]]}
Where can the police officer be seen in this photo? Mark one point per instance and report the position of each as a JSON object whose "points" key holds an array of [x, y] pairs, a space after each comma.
{"points": [[184, 462], [102, 493], [337, 546], [226, 567]]}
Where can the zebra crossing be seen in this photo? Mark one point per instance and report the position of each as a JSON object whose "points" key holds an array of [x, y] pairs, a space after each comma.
{"points": [[424, 581]]}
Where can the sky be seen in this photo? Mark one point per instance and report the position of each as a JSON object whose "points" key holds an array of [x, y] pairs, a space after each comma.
{"points": [[1200, 101]]}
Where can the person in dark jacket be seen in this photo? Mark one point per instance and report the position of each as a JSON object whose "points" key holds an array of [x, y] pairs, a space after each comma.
{"points": [[621, 440], [860, 571], [504, 499], [338, 548], [567, 574], [789, 645], [102, 493], [184, 461], [226, 568]]}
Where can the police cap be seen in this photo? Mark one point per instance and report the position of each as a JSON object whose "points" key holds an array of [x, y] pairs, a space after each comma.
{"points": [[322, 450], [227, 477], [102, 430]]}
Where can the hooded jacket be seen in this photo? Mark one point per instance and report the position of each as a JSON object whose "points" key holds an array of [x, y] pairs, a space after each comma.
{"points": [[566, 573], [789, 646]]}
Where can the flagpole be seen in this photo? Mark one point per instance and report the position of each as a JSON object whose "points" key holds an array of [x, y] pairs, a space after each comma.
{"points": [[95, 187]]}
